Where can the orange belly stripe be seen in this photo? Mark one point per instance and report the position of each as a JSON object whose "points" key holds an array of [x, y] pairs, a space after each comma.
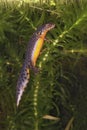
{"points": [[37, 49]]}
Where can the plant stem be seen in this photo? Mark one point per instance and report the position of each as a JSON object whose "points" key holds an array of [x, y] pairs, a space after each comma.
{"points": [[35, 105], [36, 125]]}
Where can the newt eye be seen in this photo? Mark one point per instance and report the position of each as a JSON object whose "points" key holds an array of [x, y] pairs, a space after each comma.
{"points": [[40, 32]]}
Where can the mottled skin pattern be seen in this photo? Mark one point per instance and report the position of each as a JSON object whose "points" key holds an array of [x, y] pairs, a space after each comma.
{"points": [[32, 53]]}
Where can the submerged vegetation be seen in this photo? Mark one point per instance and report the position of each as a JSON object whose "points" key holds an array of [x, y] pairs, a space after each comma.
{"points": [[60, 90]]}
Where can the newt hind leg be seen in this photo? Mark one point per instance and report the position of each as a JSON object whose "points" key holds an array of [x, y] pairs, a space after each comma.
{"points": [[35, 69]]}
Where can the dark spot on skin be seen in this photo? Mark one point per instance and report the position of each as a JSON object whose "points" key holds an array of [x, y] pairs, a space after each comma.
{"points": [[18, 92], [23, 79], [27, 73], [24, 75]]}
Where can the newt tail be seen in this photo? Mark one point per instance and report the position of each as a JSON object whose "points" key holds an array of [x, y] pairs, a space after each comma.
{"points": [[32, 53]]}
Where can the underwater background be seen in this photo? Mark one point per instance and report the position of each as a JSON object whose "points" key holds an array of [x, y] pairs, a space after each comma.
{"points": [[55, 98]]}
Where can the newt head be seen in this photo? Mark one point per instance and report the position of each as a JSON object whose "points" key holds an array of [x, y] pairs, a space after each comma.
{"points": [[48, 26], [44, 29]]}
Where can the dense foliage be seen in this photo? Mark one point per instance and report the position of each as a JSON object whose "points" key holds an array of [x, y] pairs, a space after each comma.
{"points": [[60, 88]]}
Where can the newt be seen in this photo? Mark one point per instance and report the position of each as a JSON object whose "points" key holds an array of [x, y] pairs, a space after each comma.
{"points": [[33, 50]]}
